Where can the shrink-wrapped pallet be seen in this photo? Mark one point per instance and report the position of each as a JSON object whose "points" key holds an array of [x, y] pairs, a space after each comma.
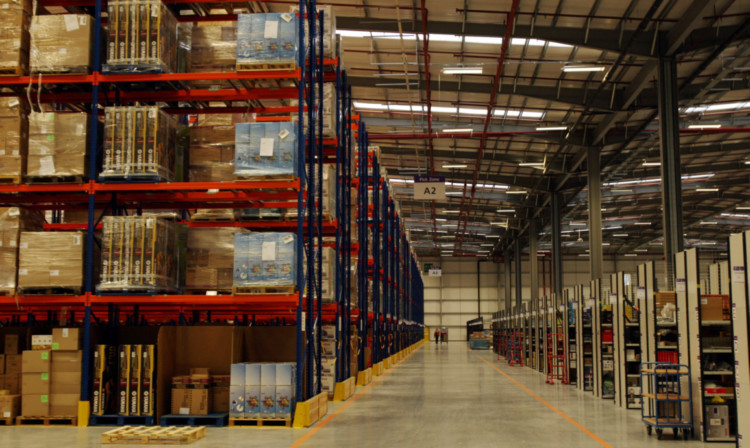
{"points": [[265, 149], [61, 43], [13, 221], [267, 41], [50, 260], [15, 19], [265, 259], [57, 145]]}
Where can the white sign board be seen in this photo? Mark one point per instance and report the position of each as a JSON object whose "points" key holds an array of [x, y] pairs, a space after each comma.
{"points": [[429, 187], [436, 272]]}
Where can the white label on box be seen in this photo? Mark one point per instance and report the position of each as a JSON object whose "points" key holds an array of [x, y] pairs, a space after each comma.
{"points": [[283, 134], [15, 152], [46, 165], [71, 22], [6, 414], [54, 273], [14, 211], [738, 274], [2, 152], [23, 246], [268, 252], [23, 272], [212, 191], [288, 239], [79, 129], [154, 11], [272, 30], [76, 240], [704, 301], [641, 293], [63, 51], [184, 411], [266, 147], [287, 17], [681, 285], [84, 20], [212, 293], [13, 102], [12, 244], [65, 332]]}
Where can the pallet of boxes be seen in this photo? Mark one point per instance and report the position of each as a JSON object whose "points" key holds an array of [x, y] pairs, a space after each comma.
{"points": [[199, 398], [15, 20], [51, 379], [262, 394], [10, 380], [265, 263], [13, 222], [267, 41]]}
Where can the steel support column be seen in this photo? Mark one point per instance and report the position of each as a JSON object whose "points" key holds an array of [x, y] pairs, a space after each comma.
{"points": [[671, 182], [534, 259], [508, 280], [596, 258], [517, 260], [557, 272]]}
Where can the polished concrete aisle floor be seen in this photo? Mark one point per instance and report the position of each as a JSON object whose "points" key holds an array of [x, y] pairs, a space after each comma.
{"points": [[445, 396]]}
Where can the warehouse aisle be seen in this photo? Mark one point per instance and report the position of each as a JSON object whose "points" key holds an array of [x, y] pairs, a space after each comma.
{"points": [[439, 397]]}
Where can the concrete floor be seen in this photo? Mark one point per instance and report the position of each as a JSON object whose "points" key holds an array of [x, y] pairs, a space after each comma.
{"points": [[439, 397]]}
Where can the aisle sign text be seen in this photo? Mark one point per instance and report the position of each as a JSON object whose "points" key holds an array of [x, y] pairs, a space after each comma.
{"points": [[429, 187]]}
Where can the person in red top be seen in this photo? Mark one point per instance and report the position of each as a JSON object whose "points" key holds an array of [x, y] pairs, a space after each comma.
{"points": [[437, 335]]}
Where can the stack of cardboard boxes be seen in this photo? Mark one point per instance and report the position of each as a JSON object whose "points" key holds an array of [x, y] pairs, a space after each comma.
{"points": [[51, 379], [210, 259], [61, 43], [51, 260], [265, 259], [267, 39], [57, 144], [123, 380], [14, 137], [200, 393], [13, 221], [14, 36], [10, 360], [265, 149], [329, 358], [214, 47], [262, 390]]}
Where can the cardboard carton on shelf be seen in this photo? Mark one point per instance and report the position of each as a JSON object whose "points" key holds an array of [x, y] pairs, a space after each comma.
{"points": [[36, 361], [35, 405], [14, 37], [66, 339], [51, 260], [265, 149], [12, 107], [10, 406], [210, 258], [65, 405], [10, 344], [61, 43], [214, 49], [14, 137], [57, 144], [714, 307], [267, 39], [41, 342], [35, 383]]}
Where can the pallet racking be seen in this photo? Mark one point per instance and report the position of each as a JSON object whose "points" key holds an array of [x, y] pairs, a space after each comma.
{"points": [[401, 322], [739, 257]]}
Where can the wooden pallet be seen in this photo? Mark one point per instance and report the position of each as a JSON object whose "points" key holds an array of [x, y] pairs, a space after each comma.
{"points": [[49, 291], [211, 218], [262, 290], [13, 71], [10, 180], [9, 292], [78, 179], [47, 421], [7, 421], [260, 422], [203, 291], [266, 67], [154, 435], [265, 178]]}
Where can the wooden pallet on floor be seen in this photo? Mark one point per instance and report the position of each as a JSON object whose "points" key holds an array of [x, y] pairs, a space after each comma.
{"points": [[47, 421], [7, 421], [263, 290], [154, 435], [54, 179], [266, 66], [260, 422]]}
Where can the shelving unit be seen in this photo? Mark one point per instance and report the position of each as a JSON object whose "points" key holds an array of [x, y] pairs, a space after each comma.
{"points": [[585, 336], [739, 256], [396, 318], [570, 330], [627, 337]]}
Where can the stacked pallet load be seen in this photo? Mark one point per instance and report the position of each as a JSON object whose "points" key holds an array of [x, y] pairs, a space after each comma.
{"points": [[13, 221], [214, 50], [124, 380], [139, 144], [265, 263], [14, 36], [138, 255], [265, 151], [329, 358], [330, 48], [11, 361], [61, 43], [261, 393], [328, 205], [50, 262], [14, 139], [191, 393], [57, 147], [210, 260], [267, 41]]}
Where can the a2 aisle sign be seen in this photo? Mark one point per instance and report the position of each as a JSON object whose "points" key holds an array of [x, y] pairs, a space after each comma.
{"points": [[429, 187]]}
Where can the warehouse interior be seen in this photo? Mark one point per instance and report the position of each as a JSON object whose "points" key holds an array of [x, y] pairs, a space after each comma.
{"points": [[363, 222]]}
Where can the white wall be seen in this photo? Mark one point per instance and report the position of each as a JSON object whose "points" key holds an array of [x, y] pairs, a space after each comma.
{"points": [[453, 299]]}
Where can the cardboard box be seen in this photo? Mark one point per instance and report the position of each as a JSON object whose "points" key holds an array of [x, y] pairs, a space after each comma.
{"points": [[12, 383], [51, 260], [15, 38], [180, 396], [219, 393], [64, 405], [712, 307], [13, 364], [11, 344], [61, 43], [268, 390], [65, 383], [286, 377], [66, 339], [67, 361], [36, 361], [237, 401], [267, 38], [2, 366], [10, 406], [717, 421], [35, 405], [134, 389], [14, 138], [200, 399], [147, 379], [41, 342], [262, 149], [35, 383], [265, 259], [253, 390], [214, 47], [57, 144], [210, 258], [123, 382]]}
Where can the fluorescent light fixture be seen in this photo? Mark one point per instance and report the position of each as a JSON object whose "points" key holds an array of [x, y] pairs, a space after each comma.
{"points": [[552, 128], [621, 190], [493, 236], [452, 211], [583, 255], [640, 250], [487, 245], [454, 193], [577, 224], [516, 192], [455, 166], [532, 164], [450, 225], [501, 224], [462, 70], [631, 255], [440, 219], [741, 207], [707, 190], [605, 244], [620, 235], [651, 163], [612, 228], [709, 223], [705, 126], [452, 131], [642, 223], [505, 210], [583, 68]]}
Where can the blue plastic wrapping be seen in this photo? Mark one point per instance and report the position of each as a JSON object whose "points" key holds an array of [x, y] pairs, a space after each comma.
{"points": [[267, 39], [265, 149], [265, 259]]}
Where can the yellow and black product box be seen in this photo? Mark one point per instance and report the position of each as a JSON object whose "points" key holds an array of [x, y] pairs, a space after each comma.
{"points": [[147, 380], [104, 374], [123, 381], [134, 389]]}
